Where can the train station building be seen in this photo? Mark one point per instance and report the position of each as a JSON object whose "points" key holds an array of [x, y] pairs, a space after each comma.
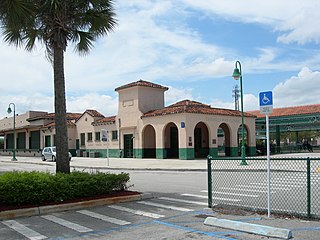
{"points": [[143, 128]]}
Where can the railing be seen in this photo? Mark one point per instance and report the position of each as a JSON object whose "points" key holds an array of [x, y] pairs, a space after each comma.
{"points": [[294, 184]]}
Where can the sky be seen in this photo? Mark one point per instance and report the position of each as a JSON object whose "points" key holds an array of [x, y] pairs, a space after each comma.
{"points": [[189, 46]]}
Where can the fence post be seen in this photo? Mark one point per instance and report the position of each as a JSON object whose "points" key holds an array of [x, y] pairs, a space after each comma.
{"points": [[209, 158], [308, 189]]}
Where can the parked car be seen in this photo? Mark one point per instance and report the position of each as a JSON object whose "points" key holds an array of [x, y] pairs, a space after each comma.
{"points": [[50, 153]]}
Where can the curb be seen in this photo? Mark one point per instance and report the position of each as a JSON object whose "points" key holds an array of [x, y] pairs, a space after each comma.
{"points": [[249, 228], [35, 211]]}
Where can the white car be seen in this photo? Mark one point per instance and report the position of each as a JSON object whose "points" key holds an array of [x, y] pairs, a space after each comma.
{"points": [[50, 153]]}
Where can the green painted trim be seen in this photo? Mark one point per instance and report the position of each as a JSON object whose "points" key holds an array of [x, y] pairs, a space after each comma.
{"points": [[137, 153], [161, 153], [186, 153], [102, 153], [213, 152], [233, 151], [252, 151]]}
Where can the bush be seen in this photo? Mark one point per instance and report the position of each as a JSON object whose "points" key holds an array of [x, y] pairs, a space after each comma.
{"points": [[17, 188]]}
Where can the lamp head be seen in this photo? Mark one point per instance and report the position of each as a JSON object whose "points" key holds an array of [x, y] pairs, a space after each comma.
{"points": [[9, 110], [236, 74]]}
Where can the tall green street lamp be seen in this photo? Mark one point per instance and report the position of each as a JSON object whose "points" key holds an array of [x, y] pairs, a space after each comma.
{"points": [[237, 73], [14, 129]]}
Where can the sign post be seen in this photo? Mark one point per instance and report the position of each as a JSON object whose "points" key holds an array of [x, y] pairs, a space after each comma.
{"points": [[105, 138], [266, 107]]}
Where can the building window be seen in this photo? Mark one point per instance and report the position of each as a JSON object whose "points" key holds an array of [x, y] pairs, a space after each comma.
{"points": [[82, 139], [114, 135], [97, 136], [90, 137]]}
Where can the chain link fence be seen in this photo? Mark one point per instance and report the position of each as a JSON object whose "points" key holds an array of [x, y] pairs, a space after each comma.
{"points": [[294, 184]]}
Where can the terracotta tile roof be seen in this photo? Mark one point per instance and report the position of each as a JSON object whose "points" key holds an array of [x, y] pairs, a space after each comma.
{"points": [[53, 124], [70, 116], [187, 106], [111, 119], [143, 84], [289, 111], [93, 113]]}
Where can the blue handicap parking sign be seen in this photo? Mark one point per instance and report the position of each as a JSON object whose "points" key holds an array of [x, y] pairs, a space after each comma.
{"points": [[265, 99]]}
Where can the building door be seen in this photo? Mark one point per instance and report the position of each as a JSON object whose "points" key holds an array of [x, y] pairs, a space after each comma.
{"points": [[197, 142], [47, 141], [173, 151], [128, 145]]}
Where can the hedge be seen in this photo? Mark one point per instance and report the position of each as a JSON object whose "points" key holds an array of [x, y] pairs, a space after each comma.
{"points": [[17, 188]]}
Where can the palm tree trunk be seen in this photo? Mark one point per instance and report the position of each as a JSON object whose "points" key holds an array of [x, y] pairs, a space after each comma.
{"points": [[63, 164]]}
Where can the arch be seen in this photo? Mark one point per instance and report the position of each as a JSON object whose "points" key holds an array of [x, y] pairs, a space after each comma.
{"points": [[246, 138], [224, 140], [171, 140], [201, 140], [149, 142]]}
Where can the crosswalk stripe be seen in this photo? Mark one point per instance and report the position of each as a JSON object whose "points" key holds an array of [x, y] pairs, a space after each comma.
{"points": [[25, 231], [247, 190], [166, 206], [104, 217], [263, 187], [68, 224], [137, 212], [206, 197], [183, 201], [236, 194]]}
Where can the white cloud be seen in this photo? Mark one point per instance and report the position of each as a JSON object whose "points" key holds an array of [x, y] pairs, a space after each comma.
{"points": [[298, 90], [250, 102], [104, 104], [296, 20], [174, 95]]}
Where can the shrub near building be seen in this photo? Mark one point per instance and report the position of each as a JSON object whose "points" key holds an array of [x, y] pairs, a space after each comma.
{"points": [[17, 188]]}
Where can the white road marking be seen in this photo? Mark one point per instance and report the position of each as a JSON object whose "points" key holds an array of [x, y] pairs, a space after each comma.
{"points": [[248, 190], [67, 224], [137, 212], [236, 194], [25, 231], [104, 217], [265, 187], [282, 184], [183, 201], [166, 206], [206, 197]]}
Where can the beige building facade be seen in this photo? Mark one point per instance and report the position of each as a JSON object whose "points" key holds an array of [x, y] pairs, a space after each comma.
{"points": [[143, 128]]}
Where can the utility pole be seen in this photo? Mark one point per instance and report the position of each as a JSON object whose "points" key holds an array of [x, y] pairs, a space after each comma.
{"points": [[236, 95]]}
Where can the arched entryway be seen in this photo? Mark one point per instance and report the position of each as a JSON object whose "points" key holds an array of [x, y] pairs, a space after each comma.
{"points": [[246, 139], [224, 140], [201, 140], [171, 140], [149, 142]]}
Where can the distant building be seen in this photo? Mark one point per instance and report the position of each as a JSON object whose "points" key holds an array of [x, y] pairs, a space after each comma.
{"points": [[289, 126], [143, 128]]}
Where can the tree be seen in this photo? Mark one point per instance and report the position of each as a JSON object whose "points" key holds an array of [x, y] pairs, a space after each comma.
{"points": [[55, 23]]}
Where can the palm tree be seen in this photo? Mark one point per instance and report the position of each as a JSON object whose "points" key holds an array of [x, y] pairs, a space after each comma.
{"points": [[55, 23]]}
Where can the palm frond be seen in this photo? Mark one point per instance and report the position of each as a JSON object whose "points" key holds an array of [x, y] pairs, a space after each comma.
{"points": [[84, 44]]}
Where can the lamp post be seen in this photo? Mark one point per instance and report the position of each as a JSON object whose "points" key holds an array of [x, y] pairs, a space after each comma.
{"points": [[237, 73], [14, 129]]}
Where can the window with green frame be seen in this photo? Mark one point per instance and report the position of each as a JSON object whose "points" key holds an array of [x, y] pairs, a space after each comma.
{"points": [[115, 135], [82, 139], [97, 136], [89, 136]]}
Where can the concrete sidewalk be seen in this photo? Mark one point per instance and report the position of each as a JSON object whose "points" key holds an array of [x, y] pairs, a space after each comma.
{"points": [[144, 164], [120, 163], [301, 229]]}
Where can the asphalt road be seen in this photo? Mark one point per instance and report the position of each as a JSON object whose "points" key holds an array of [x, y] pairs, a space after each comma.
{"points": [[177, 211]]}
